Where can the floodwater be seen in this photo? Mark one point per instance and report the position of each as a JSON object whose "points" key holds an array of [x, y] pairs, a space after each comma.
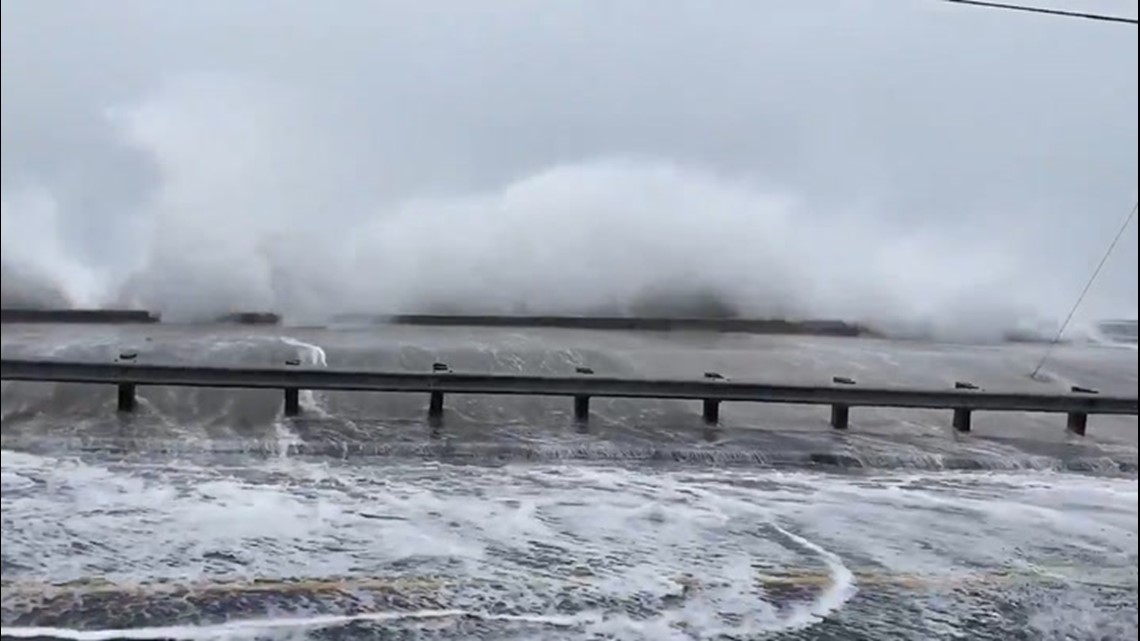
{"points": [[209, 515]]}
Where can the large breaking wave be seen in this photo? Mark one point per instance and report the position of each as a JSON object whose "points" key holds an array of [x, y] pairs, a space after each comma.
{"points": [[247, 215]]}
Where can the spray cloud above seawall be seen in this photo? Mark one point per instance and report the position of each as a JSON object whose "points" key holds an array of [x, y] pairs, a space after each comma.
{"points": [[736, 171]]}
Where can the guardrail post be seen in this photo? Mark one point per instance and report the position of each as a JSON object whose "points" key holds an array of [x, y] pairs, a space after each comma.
{"points": [[1078, 422], [126, 397], [435, 406], [582, 409], [839, 415], [962, 419], [292, 401], [711, 411]]}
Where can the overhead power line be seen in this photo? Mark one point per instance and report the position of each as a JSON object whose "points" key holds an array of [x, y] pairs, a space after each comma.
{"points": [[1045, 10], [1088, 286]]}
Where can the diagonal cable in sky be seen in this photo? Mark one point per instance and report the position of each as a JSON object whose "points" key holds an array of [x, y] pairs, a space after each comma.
{"points": [[1085, 291], [1045, 10]]}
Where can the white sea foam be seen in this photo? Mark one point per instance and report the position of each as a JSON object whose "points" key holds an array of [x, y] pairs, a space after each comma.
{"points": [[257, 628], [311, 355], [636, 534]]}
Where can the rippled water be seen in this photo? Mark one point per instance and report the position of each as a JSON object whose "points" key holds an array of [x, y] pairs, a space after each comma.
{"points": [[208, 515]]}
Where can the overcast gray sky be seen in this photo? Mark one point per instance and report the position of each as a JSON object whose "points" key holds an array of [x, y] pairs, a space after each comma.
{"points": [[826, 157]]}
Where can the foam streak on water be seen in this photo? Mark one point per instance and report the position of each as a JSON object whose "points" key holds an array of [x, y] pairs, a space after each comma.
{"points": [[313, 356], [251, 629]]}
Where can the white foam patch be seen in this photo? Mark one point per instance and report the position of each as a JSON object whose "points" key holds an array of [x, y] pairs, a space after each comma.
{"points": [[311, 356], [622, 543]]}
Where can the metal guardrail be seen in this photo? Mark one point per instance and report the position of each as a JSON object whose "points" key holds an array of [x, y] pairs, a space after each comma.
{"points": [[712, 389]]}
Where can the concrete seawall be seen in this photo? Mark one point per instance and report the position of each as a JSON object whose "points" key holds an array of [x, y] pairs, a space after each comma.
{"points": [[86, 316], [658, 324], [760, 326]]}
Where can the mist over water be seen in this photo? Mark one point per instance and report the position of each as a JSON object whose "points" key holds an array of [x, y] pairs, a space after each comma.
{"points": [[251, 213]]}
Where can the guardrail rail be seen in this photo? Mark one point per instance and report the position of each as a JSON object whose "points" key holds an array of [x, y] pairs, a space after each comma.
{"points": [[711, 389]]}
